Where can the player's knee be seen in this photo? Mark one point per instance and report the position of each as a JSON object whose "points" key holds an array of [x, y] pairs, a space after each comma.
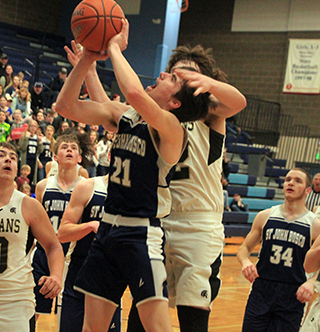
{"points": [[193, 319]]}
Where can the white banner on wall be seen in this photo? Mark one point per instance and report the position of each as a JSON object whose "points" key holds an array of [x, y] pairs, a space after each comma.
{"points": [[303, 67]]}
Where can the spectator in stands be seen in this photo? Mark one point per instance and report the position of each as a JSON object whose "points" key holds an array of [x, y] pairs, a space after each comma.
{"points": [[37, 97], [26, 189], [92, 168], [103, 153], [313, 199], [64, 125], [14, 86], [25, 84], [232, 128], [4, 127], [22, 101], [15, 124], [23, 178], [1, 90], [58, 82], [4, 107], [47, 154], [30, 149], [237, 205], [8, 77], [3, 66]]}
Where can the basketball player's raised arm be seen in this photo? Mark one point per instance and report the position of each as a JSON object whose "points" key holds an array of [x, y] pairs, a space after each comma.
{"points": [[70, 229], [41, 228], [159, 119], [87, 111], [249, 270], [93, 83], [229, 100]]}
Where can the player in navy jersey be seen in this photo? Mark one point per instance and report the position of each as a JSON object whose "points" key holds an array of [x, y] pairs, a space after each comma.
{"points": [[54, 194], [79, 225], [280, 288], [21, 220], [148, 144]]}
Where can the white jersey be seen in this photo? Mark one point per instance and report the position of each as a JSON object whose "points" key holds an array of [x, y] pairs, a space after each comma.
{"points": [[196, 185], [16, 244]]}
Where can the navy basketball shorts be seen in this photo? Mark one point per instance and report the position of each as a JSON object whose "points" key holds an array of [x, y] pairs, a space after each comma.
{"points": [[273, 306], [122, 256]]}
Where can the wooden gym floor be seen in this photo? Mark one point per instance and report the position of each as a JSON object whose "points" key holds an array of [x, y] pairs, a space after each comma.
{"points": [[228, 307]]}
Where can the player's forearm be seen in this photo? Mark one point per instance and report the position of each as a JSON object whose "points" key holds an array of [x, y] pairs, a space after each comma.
{"points": [[230, 100], [127, 79], [312, 260], [55, 259], [95, 88], [243, 256], [74, 232], [68, 97]]}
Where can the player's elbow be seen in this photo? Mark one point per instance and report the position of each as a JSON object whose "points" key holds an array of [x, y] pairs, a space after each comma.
{"points": [[65, 106]]}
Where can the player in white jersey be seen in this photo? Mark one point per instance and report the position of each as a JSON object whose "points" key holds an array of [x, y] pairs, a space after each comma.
{"points": [[195, 220], [21, 219], [280, 287]]}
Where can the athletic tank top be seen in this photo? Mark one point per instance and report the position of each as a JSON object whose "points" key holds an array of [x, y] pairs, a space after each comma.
{"points": [[32, 148], [139, 177], [94, 209], [46, 154], [284, 246], [196, 184], [16, 244], [55, 200]]}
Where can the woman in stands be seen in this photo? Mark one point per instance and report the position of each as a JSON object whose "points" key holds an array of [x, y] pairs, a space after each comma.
{"points": [[23, 102]]}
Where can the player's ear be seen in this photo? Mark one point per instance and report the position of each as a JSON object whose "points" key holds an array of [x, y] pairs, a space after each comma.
{"points": [[174, 103], [55, 157], [79, 159], [308, 190]]}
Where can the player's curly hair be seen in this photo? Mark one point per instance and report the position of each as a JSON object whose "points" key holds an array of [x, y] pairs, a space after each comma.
{"points": [[202, 57], [192, 107], [82, 140]]}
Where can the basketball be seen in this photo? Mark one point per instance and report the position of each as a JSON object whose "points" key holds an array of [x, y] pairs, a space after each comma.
{"points": [[95, 22]]}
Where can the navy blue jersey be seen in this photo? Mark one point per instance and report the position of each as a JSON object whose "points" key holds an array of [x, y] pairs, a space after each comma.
{"points": [[55, 200], [139, 177], [46, 154], [94, 209], [285, 244], [32, 149]]}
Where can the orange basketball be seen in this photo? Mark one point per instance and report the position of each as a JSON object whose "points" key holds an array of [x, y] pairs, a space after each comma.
{"points": [[95, 22]]}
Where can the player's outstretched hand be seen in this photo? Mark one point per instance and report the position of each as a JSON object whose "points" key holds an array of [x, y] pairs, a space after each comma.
{"points": [[51, 286], [121, 39], [75, 54], [201, 83], [305, 291], [250, 272]]}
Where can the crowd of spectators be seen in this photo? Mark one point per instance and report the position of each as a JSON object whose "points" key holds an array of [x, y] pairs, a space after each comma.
{"points": [[27, 123]]}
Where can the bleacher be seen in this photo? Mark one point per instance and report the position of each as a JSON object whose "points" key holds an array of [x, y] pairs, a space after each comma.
{"points": [[39, 55], [258, 192]]}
